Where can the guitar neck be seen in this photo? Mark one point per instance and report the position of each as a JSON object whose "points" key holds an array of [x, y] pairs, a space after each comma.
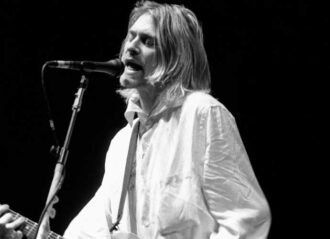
{"points": [[30, 228]]}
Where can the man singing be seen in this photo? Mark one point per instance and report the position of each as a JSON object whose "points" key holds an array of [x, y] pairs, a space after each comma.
{"points": [[190, 176]]}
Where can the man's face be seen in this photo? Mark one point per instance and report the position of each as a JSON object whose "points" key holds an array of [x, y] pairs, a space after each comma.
{"points": [[139, 54]]}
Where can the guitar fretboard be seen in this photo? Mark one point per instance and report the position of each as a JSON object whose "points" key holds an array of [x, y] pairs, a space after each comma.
{"points": [[30, 228]]}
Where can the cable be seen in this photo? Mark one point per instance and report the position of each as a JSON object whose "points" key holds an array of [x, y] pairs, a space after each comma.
{"points": [[54, 150], [49, 112]]}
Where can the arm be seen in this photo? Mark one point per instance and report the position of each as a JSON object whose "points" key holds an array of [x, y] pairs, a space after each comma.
{"points": [[93, 220], [231, 190]]}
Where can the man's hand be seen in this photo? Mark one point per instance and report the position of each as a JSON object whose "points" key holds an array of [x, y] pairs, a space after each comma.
{"points": [[44, 229], [9, 228]]}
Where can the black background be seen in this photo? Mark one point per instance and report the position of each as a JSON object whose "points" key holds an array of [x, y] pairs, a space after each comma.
{"points": [[268, 63]]}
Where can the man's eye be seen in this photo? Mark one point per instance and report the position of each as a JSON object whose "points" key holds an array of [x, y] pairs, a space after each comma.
{"points": [[150, 42]]}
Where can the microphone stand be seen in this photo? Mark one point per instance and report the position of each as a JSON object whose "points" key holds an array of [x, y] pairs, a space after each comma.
{"points": [[59, 171]]}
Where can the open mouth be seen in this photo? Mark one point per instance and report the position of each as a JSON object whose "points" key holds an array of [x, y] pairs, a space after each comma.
{"points": [[133, 66]]}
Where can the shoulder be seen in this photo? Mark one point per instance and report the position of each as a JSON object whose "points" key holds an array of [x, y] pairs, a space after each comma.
{"points": [[202, 102], [121, 137], [118, 145]]}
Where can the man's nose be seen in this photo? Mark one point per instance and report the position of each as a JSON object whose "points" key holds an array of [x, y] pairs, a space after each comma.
{"points": [[133, 47]]}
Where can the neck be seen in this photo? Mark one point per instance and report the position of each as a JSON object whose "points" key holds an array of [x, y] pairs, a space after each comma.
{"points": [[147, 99]]}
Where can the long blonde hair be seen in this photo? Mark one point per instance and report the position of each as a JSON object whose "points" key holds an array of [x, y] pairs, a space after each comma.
{"points": [[182, 63]]}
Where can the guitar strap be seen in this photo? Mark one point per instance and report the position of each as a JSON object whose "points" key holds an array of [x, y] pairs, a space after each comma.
{"points": [[128, 169]]}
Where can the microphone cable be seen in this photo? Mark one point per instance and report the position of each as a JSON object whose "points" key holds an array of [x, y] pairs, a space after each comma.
{"points": [[54, 152], [55, 148]]}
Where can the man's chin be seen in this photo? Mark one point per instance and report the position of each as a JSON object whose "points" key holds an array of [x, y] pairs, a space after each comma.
{"points": [[129, 82]]}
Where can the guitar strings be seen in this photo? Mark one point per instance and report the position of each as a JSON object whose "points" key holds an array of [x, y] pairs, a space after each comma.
{"points": [[31, 227]]}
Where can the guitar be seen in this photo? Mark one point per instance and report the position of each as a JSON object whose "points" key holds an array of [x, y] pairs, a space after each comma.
{"points": [[30, 230]]}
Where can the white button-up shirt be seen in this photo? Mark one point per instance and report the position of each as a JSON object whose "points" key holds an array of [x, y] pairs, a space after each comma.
{"points": [[192, 179]]}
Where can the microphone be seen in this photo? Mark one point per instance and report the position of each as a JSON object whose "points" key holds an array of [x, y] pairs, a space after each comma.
{"points": [[113, 67]]}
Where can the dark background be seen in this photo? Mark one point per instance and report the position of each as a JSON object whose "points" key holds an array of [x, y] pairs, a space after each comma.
{"points": [[268, 63]]}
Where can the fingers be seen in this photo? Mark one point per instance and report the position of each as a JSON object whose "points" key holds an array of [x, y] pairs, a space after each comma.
{"points": [[14, 235], [3, 208], [52, 210], [7, 219], [56, 200], [16, 223], [19, 235], [9, 225], [52, 213]]}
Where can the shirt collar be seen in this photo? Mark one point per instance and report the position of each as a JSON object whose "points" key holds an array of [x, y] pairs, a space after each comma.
{"points": [[161, 106], [133, 108]]}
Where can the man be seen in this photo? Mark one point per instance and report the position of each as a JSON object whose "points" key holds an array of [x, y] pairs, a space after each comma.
{"points": [[191, 177]]}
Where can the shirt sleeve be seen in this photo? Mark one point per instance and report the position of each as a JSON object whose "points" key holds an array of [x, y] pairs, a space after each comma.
{"points": [[93, 220], [231, 190]]}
